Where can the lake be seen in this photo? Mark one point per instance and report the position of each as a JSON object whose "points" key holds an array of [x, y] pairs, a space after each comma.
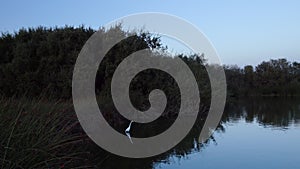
{"points": [[253, 133]]}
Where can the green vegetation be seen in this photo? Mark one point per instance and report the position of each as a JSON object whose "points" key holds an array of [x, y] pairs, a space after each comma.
{"points": [[38, 63], [272, 78], [39, 134], [35, 61]]}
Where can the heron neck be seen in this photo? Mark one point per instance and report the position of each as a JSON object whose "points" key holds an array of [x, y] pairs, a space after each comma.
{"points": [[130, 124]]}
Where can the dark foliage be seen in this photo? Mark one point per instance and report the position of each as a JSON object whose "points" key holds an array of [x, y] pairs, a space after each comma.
{"points": [[35, 61], [272, 78], [40, 61]]}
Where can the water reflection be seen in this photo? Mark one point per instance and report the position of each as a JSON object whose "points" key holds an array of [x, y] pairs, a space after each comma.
{"points": [[269, 112], [274, 113]]}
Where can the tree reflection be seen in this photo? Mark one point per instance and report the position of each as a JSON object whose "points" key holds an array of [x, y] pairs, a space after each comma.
{"points": [[268, 112]]}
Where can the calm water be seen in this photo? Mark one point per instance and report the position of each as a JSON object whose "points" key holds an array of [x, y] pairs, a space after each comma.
{"points": [[254, 133]]}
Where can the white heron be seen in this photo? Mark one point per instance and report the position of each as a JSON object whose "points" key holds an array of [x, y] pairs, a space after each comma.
{"points": [[128, 135], [128, 128]]}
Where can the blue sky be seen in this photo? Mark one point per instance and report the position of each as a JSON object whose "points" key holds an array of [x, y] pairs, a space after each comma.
{"points": [[243, 32]]}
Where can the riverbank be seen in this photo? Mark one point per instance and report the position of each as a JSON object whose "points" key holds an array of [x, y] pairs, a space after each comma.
{"points": [[41, 134]]}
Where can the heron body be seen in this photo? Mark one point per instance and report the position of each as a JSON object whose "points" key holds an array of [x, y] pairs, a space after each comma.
{"points": [[128, 128]]}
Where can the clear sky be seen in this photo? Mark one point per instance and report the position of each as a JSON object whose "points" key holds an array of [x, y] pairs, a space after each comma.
{"points": [[243, 32]]}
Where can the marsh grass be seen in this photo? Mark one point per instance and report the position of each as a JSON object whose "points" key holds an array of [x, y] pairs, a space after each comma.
{"points": [[39, 133]]}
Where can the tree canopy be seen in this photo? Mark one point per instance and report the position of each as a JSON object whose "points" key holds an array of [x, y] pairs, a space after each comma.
{"points": [[37, 61]]}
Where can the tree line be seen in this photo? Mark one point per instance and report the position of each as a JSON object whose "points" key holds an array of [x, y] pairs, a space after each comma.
{"points": [[40, 61], [276, 77]]}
